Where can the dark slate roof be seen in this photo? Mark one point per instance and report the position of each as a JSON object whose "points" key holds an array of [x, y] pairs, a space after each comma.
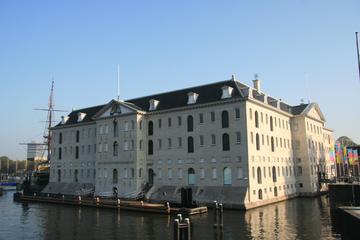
{"points": [[296, 110], [73, 116], [207, 94]]}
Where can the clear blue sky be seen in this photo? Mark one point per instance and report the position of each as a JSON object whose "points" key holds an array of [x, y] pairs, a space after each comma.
{"points": [[300, 49]]}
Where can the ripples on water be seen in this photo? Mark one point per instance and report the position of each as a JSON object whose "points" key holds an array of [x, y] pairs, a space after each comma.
{"points": [[302, 218]]}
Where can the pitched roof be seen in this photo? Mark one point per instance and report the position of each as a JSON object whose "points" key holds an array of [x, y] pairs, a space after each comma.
{"points": [[207, 94], [73, 116], [296, 110]]}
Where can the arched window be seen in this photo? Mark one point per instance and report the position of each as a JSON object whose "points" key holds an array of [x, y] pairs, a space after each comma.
{"points": [[260, 194], [115, 128], [274, 174], [257, 142], [225, 142], [191, 176], [60, 153], [60, 138], [190, 123], [151, 176], [77, 136], [272, 144], [115, 176], [190, 144], [140, 172], [227, 176], [150, 147], [256, 119], [76, 173], [259, 180], [115, 148], [132, 173], [59, 175], [150, 128], [271, 124], [275, 192], [224, 119]]}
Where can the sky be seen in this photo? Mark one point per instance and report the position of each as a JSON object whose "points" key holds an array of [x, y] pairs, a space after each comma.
{"points": [[300, 49]]}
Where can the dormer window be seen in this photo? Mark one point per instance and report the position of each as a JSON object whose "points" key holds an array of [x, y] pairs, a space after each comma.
{"points": [[192, 97], [153, 104], [64, 119], [226, 92], [81, 116]]}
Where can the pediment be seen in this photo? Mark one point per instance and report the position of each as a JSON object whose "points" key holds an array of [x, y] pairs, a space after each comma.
{"points": [[313, 111], [115, 108]]}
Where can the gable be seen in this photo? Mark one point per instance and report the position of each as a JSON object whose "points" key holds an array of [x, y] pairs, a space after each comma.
{"points": [[114, 108], [313, 111]]}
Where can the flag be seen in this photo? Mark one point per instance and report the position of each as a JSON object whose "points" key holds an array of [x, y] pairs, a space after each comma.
{"points": [[350, 156], [338, 153], [345, 159]]}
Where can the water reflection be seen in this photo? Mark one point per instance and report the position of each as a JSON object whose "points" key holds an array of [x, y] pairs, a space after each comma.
{"points": [[305, 218]]}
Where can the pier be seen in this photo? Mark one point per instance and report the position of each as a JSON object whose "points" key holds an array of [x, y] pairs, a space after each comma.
{"points": [[114, 203]]}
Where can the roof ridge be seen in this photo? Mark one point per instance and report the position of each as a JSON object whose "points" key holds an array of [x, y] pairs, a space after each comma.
{"points": [[182, 89]]}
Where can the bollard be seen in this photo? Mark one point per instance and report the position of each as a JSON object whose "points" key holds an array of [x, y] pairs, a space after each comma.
{"points": [[187, 229], [221, 215], [97, 201], [118, 202], [79, 198], [179, 216], [167, 207], [176, 230], [63, 197], [142, 203], [216, 215]]}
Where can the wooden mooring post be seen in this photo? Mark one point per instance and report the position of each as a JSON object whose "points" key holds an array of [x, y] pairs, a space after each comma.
{"points": [[218, 221], [182, 228]]}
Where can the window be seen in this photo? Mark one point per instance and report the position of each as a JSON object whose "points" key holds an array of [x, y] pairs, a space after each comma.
{"points": [[169, 122], [256, 119], [159, 123], [76, 152], [77, 136], [190, 144], [272, 144], [60, 153], [115, 176], [271, 124], [115, 149], [126, 145], [257, 142], [169, 173], [150, 147], [140, 125], [201, 118], [224, 119], [169, 143], [214, 173], [190, 123], [259, 180], [159, 143], [213, 139], [115, 128], [60, 138], [299, 171], [225, 142], [227, 176], [150, 128], [260, 194], [179, 120], [239, 173], [250, 113], [180, 173], [275, 192], [202, 173], [191, 176], [201, 138], [212, 116], [140, 144], [238, 137], [237, 113], [179, 142]]}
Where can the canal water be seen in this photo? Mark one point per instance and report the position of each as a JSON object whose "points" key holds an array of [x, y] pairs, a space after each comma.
{"points": [[301, 218]]}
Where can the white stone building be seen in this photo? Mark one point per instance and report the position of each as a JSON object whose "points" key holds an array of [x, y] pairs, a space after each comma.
{"points": [[228, 141]]}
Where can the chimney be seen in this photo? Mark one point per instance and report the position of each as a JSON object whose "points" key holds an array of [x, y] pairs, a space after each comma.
{"points": [[257, 85], [64, 119]]}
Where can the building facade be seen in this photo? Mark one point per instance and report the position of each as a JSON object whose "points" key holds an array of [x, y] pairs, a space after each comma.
{"points": [[229, 142]]}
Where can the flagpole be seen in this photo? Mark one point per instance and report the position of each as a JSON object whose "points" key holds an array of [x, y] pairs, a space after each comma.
{"points": [[357, 50]]}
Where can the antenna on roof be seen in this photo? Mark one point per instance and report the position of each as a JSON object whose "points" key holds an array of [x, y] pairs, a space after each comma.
{"points": [[118, 82], [233, 77]]}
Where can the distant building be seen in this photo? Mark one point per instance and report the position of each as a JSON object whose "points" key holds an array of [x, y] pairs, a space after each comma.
{"points": [[228, 141]]}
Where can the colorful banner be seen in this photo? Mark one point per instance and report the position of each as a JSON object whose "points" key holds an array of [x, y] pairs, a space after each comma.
{"points": [[332, 154], [350, 156], [356, 156], [338, 153], [345, 159]]}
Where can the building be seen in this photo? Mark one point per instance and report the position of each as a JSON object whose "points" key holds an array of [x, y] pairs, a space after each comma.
{"points": [[228, 141]]}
